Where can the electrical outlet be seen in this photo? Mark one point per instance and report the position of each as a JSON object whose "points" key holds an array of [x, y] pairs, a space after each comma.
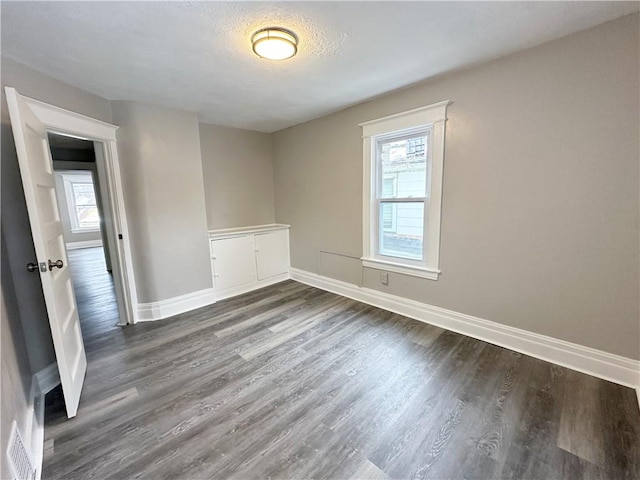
{"points": [[384, 278]]}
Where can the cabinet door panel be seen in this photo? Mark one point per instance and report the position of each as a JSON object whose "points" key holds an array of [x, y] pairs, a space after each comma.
{"points": [[272, 253], [233, 262]]}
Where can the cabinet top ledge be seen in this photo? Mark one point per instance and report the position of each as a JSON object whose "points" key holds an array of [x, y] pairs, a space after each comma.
{"points": [[246, 230]]}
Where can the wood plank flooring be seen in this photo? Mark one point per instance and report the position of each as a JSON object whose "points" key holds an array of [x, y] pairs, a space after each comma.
{"points": [[95, 293], [294, 382]]}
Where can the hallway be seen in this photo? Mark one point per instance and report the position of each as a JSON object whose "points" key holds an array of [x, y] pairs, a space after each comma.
{"points": [[95, 295]]}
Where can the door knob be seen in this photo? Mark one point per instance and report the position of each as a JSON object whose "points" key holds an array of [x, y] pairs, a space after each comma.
{"points": [[58, 264], [32, 267]]}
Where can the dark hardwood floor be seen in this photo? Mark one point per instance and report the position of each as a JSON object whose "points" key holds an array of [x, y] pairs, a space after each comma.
{"points": [[294, 382], [95, 293]]}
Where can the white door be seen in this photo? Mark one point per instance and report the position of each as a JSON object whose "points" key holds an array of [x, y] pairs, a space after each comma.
{"points": [[272, 253], [36, 169]]}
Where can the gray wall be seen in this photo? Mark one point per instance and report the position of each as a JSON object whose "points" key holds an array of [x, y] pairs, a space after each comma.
{"points": [[16, 372], [159, 151], [541, 194], [238, 176]]}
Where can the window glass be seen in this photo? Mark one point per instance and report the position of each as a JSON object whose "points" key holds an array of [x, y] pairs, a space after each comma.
{"points": [[402, 166], [405, 236], [389, 215], [86, 210], [80, 200], [406, 160]]}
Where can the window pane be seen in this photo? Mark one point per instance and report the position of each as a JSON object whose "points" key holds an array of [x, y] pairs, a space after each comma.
{"points": [[402, 229], [88, 217], [406, 162], [84, 194], [84, 197], [389, 186], [388, 215]]}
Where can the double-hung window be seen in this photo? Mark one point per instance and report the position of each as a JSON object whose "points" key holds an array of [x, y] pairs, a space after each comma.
{"points": [[81, 201], [403, 164]]}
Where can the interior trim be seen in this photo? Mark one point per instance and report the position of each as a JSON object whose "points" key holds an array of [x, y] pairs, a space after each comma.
{"points": [[411, 270], [249, 287], [84, 244], [173, 306], [614, 368], [48, 378], [241, 231], [66, 122], [42, 383]]}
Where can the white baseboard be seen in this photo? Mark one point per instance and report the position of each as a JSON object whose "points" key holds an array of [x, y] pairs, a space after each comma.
{"points": [[148, 312], [248, 287], [31, 422], [48, 378], [617, 369], [37, 434], [42, 382], [35, 422], [84, 244]]}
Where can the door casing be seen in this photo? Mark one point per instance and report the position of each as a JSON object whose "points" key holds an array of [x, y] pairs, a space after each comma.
{"points": [[65, 122]]}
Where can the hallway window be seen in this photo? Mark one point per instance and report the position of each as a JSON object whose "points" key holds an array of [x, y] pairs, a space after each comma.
{"points": [[81, 201]]}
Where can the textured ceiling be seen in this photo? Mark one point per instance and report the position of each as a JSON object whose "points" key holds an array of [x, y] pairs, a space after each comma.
{"points": [[197, 56]]}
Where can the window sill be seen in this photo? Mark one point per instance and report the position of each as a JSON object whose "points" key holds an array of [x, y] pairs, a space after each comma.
{"points": [[420, 272], [85, 230]]}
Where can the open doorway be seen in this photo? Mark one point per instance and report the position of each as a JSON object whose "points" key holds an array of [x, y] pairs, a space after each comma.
{"points": [[31, 123], [81, 194]]}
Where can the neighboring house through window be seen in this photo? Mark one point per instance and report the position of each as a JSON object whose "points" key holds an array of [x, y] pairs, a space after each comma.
{"points": [[81, 201], [403, 162], [389, 211]]}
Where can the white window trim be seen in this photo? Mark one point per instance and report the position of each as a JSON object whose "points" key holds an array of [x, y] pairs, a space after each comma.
{"points": [[69, 178], [432, 116]]}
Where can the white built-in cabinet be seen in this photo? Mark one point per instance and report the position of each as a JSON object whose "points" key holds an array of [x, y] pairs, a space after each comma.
{"points": [[244, 259]]}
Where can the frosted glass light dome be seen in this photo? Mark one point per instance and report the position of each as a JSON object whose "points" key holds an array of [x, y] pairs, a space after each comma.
{"points": [[275, 43]]}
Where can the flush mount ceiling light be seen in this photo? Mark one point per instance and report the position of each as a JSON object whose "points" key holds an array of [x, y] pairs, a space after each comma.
{"points": [[275, 43]]}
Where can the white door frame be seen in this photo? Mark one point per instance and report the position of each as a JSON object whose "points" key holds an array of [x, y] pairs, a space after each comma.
{"points": [[66, 122]]}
